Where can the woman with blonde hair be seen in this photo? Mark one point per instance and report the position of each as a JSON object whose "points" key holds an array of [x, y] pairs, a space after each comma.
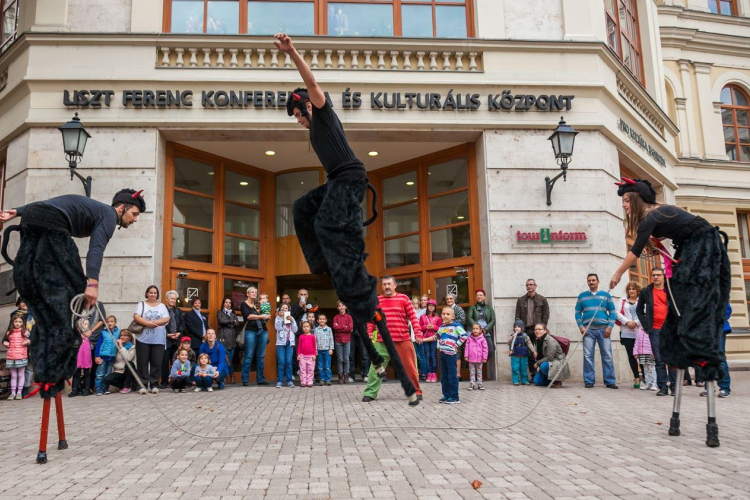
{"points": [[627, 319], [256, 337]]}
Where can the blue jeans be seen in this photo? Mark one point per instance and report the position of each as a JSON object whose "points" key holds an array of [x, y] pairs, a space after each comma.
{"points": [[421, 358], [230, 359], [324, 365], [255, 346], [203, 382], [430, 356], [284, 363], [102, 371], [448, 376], [662, 376], [726, 381], [520, 369], [593, 337], [541, 374]]}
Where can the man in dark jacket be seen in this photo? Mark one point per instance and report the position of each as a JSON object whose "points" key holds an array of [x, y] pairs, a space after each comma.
{"points": [[196, 324], [652, 308], [175, 331], [532, 308]]}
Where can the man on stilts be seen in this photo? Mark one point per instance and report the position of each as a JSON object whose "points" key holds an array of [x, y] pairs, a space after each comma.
{"points": [[48, 274], [697, 293], [328, 219]]}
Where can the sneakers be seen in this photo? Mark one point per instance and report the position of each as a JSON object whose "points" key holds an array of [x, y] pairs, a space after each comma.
{"points": [[328, 382], [443, 400], [351, 380], [589, 386], [452, 401], [664, 391], [125, 391], [645, 387], [471, 387], [722, 394], [365, 399], [653, 387], [290, 384], [279, 385], [481, 387], [197, 389], [515, 383], [704, 394], [142, 391], [99, 393], [210, 389], [106, 391], [612, 386], [154, 390], [19, 396], [182, 390]]}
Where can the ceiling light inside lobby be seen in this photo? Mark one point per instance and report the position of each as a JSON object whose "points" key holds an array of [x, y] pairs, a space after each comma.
{"points": [[373, 153], [410, 183], [244, 183], [210, 173], [270, 153]]}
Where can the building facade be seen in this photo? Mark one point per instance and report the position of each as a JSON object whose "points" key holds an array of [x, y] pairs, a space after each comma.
{"points": [[448, 103]]}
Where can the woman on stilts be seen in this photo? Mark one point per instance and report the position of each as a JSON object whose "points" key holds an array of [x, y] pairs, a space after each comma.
{"points": [[48, 274], [328, 219], [698, 291]]}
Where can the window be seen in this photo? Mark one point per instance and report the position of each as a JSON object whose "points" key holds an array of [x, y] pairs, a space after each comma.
{"points": [[426, 213], [723, 7], [743, 220], [8, 23], [351, 18], [735, 116], [622, 34]]}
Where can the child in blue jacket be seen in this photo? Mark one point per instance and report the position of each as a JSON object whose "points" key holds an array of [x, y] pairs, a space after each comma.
{"points": [[105, 354]]}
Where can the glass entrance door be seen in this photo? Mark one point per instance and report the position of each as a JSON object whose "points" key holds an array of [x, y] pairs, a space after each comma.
{"points": [[460, 282], [196, 284]]}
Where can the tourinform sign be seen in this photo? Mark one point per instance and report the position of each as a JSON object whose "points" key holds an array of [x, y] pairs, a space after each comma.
{"points": [[567, 236]]}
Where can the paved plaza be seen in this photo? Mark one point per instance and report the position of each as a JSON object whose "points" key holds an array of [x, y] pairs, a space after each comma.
{"points": [[325, 443]]}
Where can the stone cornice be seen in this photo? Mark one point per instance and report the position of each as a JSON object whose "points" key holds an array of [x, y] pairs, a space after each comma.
{"points": [[703, 41]]}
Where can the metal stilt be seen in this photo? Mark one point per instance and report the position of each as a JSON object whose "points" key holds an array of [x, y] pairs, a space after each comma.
{"points": [[674, 422], [712, 428]]}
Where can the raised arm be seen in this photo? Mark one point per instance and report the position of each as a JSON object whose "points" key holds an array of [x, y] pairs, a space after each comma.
{"points": [[284, 43]]}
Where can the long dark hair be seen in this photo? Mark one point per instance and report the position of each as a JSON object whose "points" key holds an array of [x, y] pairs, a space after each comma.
{"points": [[637, 214]]}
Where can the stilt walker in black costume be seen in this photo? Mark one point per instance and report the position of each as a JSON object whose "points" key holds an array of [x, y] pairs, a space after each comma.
{"points": [[697, 293], [47, 273], [328, 219]]}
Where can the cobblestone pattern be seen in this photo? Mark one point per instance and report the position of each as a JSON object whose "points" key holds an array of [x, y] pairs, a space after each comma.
{"points": [[580, 443]]}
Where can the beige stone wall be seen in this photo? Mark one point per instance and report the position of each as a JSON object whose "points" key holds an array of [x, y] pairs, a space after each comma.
{"points": [[102, 16]]}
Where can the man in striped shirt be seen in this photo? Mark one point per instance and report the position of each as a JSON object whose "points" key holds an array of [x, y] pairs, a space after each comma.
{"points": [[398, 311], [595, 307]]}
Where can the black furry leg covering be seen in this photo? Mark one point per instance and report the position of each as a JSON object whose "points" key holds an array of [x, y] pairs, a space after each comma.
{"points": [[700, 285], [328, 222], [48, 274]]}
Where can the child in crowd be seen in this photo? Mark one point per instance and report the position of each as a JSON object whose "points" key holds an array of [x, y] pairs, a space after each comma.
{"points": [[324, 345], [286, 328], [121, 376], [644, 354], [204, 374], [105, 354], [180, 373], [17, 341], [192, 357], [476, 352], [84, 363], [306, 354], [520, 346], [451, 336], [343, 325], [430, 323]]}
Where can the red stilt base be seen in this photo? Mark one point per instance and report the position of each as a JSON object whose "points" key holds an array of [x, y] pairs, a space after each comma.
{"points": [[62, 444], [41, 457]]}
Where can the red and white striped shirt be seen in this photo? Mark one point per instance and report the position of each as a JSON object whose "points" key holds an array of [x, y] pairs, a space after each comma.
{"points": [[398, 312]]}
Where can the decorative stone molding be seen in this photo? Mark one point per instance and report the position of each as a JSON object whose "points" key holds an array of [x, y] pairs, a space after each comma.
{"points": [[442, 57], [628, 93]]}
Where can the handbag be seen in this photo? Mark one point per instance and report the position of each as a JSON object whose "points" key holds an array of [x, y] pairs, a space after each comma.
{"points": [[622, 312], [135, 328]]}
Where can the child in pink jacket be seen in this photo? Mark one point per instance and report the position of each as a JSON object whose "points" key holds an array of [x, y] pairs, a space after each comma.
{"points": [[430, 323], [645, 356], [475, 352]]}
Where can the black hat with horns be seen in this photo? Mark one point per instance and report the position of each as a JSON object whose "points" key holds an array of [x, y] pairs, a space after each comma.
{"points": [[640, 186]]}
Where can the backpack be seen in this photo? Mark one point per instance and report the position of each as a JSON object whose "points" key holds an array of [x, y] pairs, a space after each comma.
{"points": [[564, 343]]}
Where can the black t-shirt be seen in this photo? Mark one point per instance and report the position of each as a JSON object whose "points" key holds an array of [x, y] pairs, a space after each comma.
{"points": [[252, 325], [665, 221], [86, 217], [328, 139]]}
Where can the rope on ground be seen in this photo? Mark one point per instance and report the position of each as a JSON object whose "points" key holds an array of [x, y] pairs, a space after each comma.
{"points": [[77, 307]]}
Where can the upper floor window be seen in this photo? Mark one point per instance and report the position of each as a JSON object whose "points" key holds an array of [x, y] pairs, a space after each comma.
{"points": [[723, 7], [623, 36], [370, 18], [735, 116], [8, 23]]}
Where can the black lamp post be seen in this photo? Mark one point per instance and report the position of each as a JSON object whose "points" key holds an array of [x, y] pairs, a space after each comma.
{"points": [[74, 142], [563, 140]]}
